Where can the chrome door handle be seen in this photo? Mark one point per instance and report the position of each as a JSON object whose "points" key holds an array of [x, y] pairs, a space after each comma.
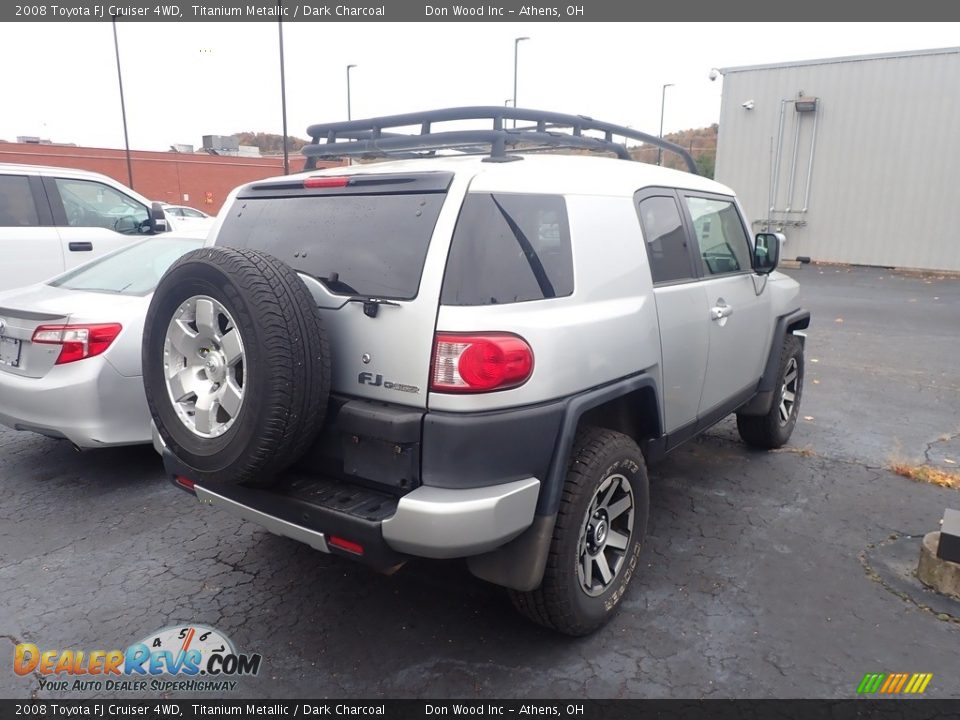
{"points": [[719, 312]]}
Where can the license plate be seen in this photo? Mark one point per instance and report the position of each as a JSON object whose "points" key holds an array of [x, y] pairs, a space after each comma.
{"points": [[9, 351]]}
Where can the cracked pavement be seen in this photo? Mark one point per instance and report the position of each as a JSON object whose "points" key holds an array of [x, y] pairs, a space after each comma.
{"points": [[752, 582]]}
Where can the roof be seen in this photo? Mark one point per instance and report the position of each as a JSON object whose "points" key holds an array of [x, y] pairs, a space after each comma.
{"points": [[545, 173], [845, 59]]}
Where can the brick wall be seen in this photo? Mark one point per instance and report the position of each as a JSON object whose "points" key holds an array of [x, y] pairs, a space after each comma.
{"points": [[175, 178]]}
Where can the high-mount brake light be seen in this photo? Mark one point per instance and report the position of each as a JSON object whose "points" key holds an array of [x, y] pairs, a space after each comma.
{"points": [[480, 362], [326, 182], [77, 342]]}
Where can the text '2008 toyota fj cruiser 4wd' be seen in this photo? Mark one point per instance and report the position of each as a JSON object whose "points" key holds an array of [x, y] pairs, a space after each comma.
{"points": [[470, 354]]}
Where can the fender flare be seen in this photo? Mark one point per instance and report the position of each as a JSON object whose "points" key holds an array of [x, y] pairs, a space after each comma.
{"points": [[766, 389]]}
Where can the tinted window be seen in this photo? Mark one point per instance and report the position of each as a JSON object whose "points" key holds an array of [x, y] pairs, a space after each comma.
{"points": [[16, 202], [666, 239], [723, 243], [191, 213], [92, 204], [509, 248], [372, 245], [135, 270]]}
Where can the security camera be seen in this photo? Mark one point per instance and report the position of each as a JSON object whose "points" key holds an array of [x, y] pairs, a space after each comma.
{"points": [[714, 74], [748, 105]]}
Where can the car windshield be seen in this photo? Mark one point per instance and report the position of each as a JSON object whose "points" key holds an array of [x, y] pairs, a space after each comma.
{"points": [[135, 270]]}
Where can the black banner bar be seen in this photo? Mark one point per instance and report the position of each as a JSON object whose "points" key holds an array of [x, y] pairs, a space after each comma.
{"points": [[862, 709], [476, 11]]}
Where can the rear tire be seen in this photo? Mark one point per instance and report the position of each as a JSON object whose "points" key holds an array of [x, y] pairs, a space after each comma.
{"points": [[606, 474], [244, 321], [773, 430]]}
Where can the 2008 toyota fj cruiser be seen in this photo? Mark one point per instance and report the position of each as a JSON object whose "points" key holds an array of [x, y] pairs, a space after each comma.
{"points": [[470, 355]]}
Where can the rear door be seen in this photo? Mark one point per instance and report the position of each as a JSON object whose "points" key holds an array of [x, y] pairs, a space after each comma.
{"points": [[680, 300], [372, 251], [29, 245], [93, 218], [737, 311]]}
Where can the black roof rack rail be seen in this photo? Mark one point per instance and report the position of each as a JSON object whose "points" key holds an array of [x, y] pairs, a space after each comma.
{"points": [[544, 130]]}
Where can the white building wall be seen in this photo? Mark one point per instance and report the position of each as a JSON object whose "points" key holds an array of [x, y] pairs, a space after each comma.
{"points": [[885, 184]]}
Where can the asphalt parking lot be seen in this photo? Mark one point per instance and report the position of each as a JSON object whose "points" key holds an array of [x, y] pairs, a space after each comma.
{"points": [[783, 574]]}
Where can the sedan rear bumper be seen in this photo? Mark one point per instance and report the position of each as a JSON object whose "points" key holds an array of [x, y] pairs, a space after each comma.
{"points": [[88, 403]]}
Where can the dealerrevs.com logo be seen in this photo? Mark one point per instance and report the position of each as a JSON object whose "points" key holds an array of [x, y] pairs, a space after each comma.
{"points": [[200, 658]]}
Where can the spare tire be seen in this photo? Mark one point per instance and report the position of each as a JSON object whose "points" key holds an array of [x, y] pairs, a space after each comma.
{"points": [[236, 365]]}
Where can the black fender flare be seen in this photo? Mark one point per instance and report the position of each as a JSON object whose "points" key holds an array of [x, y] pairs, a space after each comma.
{"points": [[766, 389]]}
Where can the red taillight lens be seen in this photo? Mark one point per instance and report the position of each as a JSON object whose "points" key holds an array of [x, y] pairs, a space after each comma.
{"points": [[77, 341], [479, 363], [326, 182], [185, 483], [344, 544]]}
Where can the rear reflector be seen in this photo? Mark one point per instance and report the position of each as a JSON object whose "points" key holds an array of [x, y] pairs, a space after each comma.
{"points": [[77, 341], [326, 182], [185, 483], [479, 363], [343, 544]]}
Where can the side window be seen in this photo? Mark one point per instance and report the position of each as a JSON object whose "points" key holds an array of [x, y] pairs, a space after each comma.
{"points": [[724, 247], [509, 248], [92, 204], [665, 239], [17, 208], [191, 213], [175, 212]]}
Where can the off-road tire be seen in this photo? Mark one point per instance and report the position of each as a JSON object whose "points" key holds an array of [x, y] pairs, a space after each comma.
{"points": [[766, 432], [286, 371], [560, 603]]}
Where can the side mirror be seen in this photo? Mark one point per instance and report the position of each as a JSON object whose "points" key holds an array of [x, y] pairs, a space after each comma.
{"points": [[157, 220], [766, 252]]}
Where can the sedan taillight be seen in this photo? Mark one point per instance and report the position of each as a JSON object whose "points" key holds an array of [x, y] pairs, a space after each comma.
{"points": [[77, 341], [479, 363]]}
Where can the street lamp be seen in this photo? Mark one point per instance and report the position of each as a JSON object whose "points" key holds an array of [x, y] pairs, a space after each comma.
{"points": [[506, 103], [283, 101], [348, 90], [663, 99], [516, 47], [123, 105]]}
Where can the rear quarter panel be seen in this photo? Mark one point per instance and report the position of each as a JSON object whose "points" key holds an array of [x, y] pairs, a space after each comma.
{"points": [[607, 329]]}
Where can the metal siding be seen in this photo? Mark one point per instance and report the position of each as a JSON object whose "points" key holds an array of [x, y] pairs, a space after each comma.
{"points": [[887, 164]]}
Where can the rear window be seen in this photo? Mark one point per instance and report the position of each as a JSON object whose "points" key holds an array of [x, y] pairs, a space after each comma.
{"points": [[370, 245], [509, 248]]}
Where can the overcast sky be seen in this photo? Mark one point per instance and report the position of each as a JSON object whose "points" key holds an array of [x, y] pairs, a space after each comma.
{"points": [[185, 80]]}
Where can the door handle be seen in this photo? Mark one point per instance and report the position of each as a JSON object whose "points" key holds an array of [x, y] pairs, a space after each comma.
{"points": [[80, 246], [720, 311]]}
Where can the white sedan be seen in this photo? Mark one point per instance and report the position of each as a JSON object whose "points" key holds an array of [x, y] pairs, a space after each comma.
{"points": [[188, 218], [70, 347]]}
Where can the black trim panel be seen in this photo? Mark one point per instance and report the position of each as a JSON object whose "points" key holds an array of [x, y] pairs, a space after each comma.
{"points": [[466, 450]]}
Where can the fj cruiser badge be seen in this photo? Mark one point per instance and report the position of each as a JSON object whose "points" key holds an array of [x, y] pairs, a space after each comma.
{"points": [[377, 380]]}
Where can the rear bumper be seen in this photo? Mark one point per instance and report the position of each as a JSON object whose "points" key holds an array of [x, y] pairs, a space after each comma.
{"points": [[88, 403], [426, 522]]}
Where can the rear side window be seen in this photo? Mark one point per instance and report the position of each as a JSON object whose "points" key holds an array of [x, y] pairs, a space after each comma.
{"points": [[666, 239], [17, 208], [509, 248], [370, 245]]}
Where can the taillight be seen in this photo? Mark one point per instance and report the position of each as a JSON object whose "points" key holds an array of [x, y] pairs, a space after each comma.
{"points": [[326, 182], [185, 482], [77, 341], [479, 363], [344, 544]]}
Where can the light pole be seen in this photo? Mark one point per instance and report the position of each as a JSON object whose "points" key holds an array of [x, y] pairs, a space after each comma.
{"points": [[123, 105], [663, 99], [516, 48], [283, 102], [348, 91], [506, 103]]}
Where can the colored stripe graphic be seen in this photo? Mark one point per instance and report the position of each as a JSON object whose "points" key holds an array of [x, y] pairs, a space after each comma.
{"points": [[894, 683]]}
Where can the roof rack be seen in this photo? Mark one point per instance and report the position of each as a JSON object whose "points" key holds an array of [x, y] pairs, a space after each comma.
{"points": [[543, 130]]}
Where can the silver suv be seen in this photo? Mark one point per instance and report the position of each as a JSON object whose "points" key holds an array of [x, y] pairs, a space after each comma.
{"points": [[473, 352]]}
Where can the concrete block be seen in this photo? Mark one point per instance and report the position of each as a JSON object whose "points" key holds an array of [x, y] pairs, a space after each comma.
{"points": [[941, 575]]}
